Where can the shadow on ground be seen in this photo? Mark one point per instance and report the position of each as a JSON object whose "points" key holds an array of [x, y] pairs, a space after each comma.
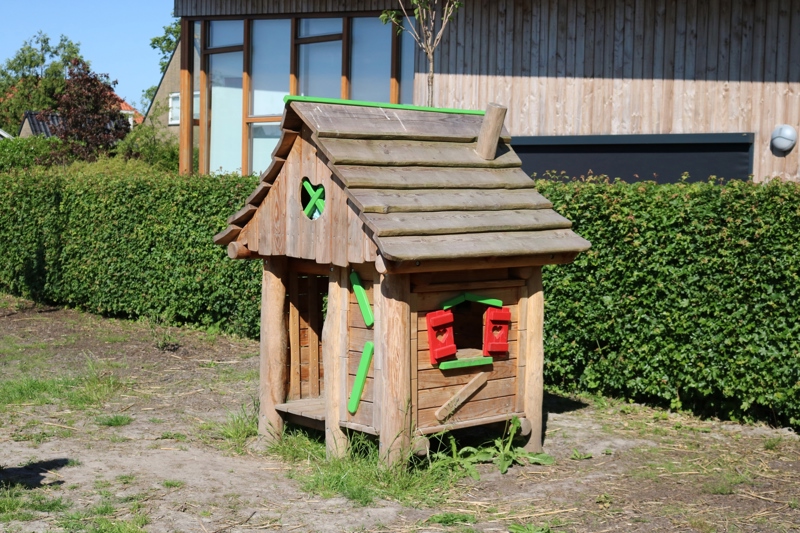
{"points": [[32, 474]]}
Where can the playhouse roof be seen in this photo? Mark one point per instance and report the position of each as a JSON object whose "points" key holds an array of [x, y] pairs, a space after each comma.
{"points": [[419, 187]]}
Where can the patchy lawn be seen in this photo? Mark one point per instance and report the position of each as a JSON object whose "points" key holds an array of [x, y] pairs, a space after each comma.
{"points": [[118, 426]]}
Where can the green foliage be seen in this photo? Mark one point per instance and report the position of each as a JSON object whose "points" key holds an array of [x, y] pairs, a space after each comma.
{"points": [[166, 43], [113, 420], [359, 475], [123, 239], [689, 296], [27, 152], [240, 427], [451, 519], [91, 120], [86, 390], [579, 456], [501, 452], [151, 143], [33, 77]]}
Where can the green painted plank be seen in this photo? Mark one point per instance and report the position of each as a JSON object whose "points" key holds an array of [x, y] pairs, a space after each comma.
{"points": [[336, 101], [361, 377], [465, 363], [493, 302], [452, 302], [361, 297]]}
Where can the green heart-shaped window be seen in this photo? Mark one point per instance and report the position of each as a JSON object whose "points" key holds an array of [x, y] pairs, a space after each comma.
{"points": [[312, 198]]}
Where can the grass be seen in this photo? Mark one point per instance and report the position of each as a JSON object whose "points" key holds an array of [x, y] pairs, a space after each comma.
{"points": [[237, 430], [173, 483], [451, 519], [87, 390], [113, 420], [359, 476], [19, 504]]}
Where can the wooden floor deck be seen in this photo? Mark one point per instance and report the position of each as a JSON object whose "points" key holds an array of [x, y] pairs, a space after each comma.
{"points": [[309, 412]]}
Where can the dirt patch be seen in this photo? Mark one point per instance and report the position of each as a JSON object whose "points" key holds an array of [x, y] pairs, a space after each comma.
{"points": [[619, 466]]}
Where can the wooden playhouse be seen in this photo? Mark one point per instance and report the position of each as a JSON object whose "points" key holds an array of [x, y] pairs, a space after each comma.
{"points": [[428, 240]]}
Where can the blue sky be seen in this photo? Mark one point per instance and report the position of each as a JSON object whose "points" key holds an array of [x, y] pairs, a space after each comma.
{"points": [[114, 36]]}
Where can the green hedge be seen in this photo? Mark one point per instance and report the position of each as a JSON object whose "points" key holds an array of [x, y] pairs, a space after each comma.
{"points": [[122, 239], [690, 296], [27, 152]]}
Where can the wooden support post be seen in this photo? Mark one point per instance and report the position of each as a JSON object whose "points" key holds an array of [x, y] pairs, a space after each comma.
{"points": [[393, 350], [491, 128], [334, 344], [185, 142], [272, 371], [534, 364]]}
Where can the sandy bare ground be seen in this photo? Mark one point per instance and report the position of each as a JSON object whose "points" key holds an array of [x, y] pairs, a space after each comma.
{"points": [[619, 467]]}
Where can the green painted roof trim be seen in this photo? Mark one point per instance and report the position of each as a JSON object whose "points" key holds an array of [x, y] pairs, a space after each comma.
{"points": [[360, 103]]}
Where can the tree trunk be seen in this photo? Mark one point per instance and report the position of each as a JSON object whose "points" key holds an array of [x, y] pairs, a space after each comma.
{"points": [[430, 80]]}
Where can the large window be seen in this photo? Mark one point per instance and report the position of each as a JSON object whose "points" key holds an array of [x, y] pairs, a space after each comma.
{"points": [[242, 69]]}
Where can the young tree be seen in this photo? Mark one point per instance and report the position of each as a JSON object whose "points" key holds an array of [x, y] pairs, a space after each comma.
{"points": [[91, 121], [33, 78], [427, 37]]}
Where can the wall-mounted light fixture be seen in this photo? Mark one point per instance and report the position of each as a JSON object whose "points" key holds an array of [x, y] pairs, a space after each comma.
{"points": [[783, 139]]}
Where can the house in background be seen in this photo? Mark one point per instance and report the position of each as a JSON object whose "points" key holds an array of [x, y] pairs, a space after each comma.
{"points": [[165, 109], [35, 123], [666, 85]]}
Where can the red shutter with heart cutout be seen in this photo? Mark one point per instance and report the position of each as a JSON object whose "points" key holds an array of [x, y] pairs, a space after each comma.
{"points": [[440, 335], [495, 333]]}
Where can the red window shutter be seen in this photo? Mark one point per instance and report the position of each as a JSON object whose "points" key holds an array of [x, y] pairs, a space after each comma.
{"points": [[440, 335], [495, 333]]}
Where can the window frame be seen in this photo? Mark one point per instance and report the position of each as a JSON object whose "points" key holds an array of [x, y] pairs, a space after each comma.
{"points": [[174, 100], [294, 82]]}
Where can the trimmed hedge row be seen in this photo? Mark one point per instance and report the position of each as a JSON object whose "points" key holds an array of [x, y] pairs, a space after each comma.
{"points": [[690, 296], [122, 239]]}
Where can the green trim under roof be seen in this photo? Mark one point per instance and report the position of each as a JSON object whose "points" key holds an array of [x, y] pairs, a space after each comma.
{"points": [[290, 98]]}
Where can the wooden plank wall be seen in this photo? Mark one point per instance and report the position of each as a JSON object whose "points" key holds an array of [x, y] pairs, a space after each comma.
{"points": [[581, 67], [434, 387], [191, 8], [337, 237], [359, 334], [304, 364]]}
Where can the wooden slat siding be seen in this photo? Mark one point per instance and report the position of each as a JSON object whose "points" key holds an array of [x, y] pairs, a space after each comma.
{"points": [[294, 339], [422, 200], [450, 222], [413, 352], [338, 218], [355, 235], [314, 328], [366, 177], [433, 378], [434, 398], [469, 412], [324, 225], [475, 245], [380, 328], [687, 104], [193, 8], [428, 301]]}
